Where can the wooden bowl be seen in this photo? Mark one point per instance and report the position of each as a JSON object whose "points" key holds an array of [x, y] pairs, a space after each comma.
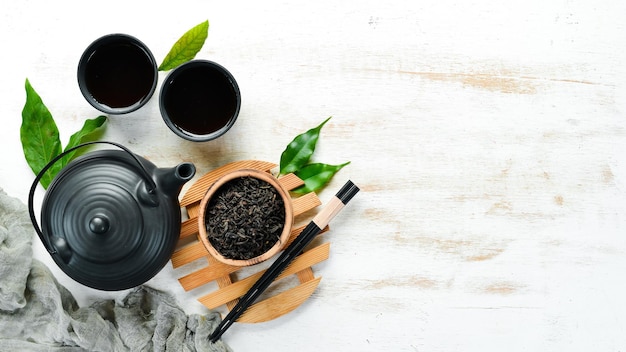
{"points": [[205, 202]]}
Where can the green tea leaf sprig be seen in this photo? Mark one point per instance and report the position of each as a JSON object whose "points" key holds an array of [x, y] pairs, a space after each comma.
{"points": [[316, 176], [296, 159], [299, 151], [39, 135], [90, 131], [186, 48]]}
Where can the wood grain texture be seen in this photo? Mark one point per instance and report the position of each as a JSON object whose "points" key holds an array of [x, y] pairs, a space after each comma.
{"points": [[487, 138], [235, 290]]}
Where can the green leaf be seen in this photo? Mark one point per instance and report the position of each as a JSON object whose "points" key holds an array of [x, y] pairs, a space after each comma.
{"points": [[39, 135], [186, 47], [90, 131], [316, 176], [299, 151]]}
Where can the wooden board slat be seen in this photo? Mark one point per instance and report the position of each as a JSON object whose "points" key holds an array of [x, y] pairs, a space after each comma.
{"points": [[199, 188], [279, 305], [239, 288], [206, 275], [290, 181], [188, 254], [189, 227], [305, 203]]}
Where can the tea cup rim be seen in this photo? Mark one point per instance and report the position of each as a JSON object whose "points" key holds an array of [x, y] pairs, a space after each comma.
{"points": [[165, 86], [89, 51]]}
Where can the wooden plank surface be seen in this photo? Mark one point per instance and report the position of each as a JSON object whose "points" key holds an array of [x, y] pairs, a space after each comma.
{"points": [[487, 137]]}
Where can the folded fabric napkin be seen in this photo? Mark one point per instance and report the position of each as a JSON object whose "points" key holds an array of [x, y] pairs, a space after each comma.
{"points": [[39, 314]]}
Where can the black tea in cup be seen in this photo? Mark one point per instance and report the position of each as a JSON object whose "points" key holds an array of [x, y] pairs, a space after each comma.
{"points": [[200, 100], [117, 74]]}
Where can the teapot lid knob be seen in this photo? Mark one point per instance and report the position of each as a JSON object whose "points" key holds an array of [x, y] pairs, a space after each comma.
{"points": [[99, 224]]}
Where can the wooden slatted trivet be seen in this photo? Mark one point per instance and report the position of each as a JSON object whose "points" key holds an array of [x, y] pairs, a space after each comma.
{"points": [[230, 289]]}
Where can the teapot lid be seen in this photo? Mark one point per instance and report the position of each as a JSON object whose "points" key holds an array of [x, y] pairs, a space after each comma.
{"points": [[108, 228]]}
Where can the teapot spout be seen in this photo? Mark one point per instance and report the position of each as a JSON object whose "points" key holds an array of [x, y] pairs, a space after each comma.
{"points": [[171, 180]]}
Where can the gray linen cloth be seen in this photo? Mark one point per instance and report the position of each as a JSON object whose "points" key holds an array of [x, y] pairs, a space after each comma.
{"points": [[39, 314]]}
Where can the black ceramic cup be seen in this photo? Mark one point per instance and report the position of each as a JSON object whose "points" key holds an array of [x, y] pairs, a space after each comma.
{"points": [[200, 100], [117, 74]]}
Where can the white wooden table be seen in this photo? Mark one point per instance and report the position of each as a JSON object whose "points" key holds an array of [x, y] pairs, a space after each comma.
{"points": [[486, 136]]}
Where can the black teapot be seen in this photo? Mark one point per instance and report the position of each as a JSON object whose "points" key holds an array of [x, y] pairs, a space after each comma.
{"points": [[110, 219]]}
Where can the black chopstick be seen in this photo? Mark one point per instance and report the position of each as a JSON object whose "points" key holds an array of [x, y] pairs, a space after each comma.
{"points": [[316, 225]]}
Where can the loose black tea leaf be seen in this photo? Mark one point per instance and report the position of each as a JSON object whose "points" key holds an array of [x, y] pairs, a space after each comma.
{"points": [[245, 218]]}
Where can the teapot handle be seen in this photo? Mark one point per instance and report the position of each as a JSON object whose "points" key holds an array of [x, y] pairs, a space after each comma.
{"points": [[31, 195]]}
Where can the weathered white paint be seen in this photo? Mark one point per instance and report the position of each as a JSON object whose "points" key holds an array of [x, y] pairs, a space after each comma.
{"points": [[486, 136]]}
